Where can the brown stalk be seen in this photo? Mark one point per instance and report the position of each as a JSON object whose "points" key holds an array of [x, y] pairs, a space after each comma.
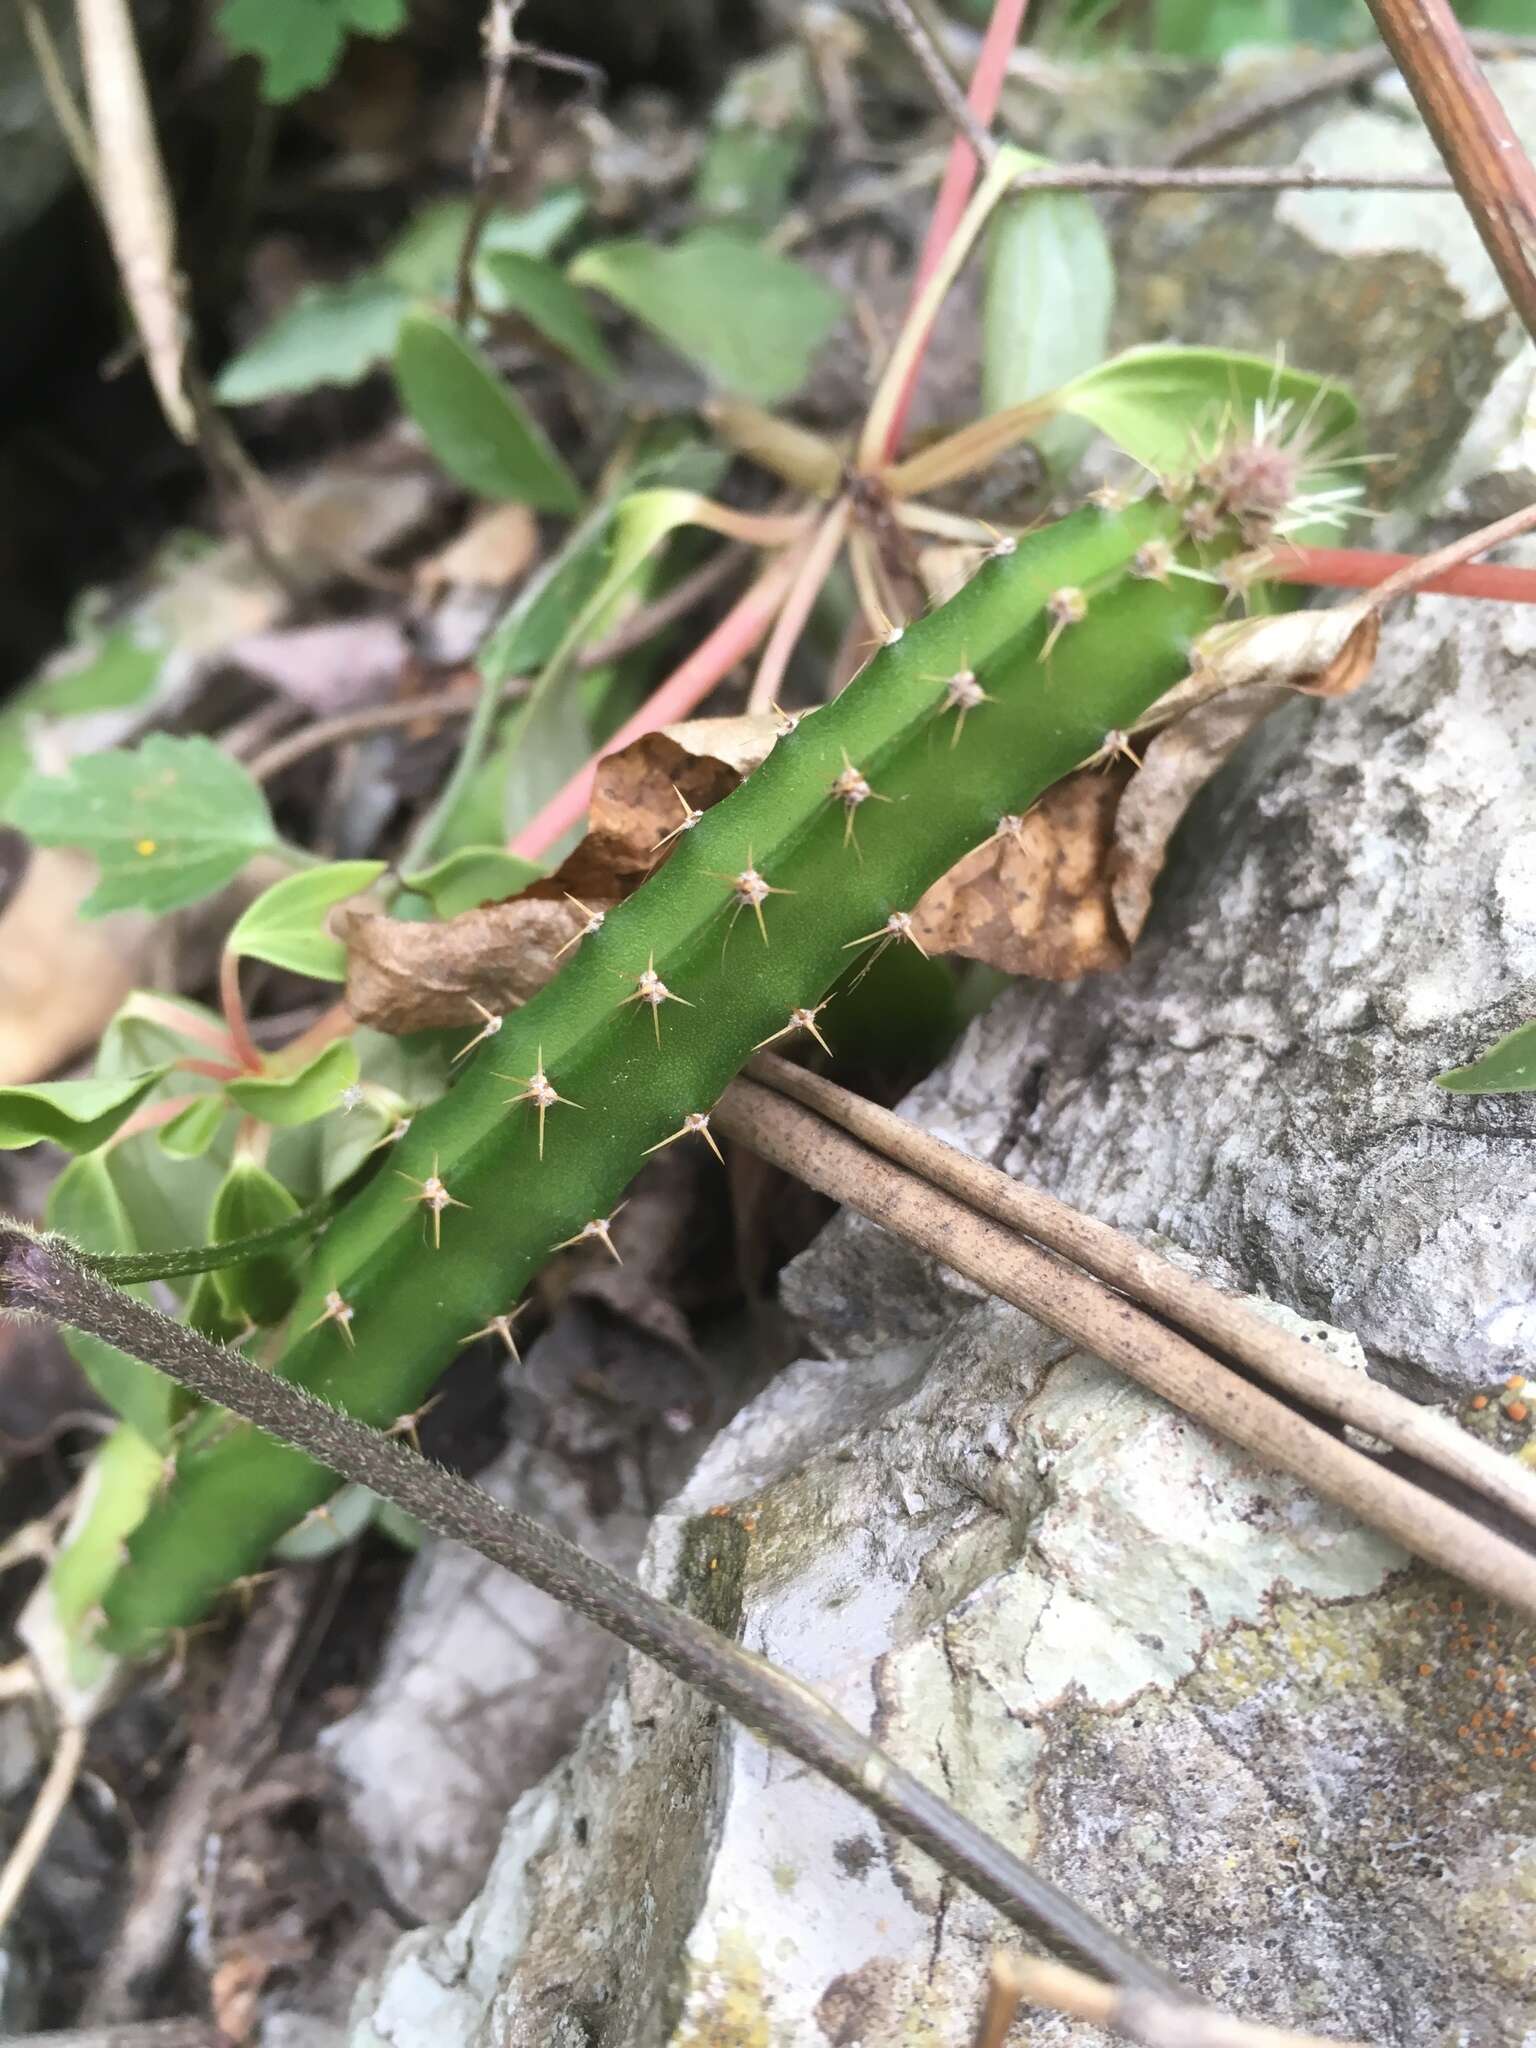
{"points": [[1118, 1331], [44, 1275], [1227, 178], [1158, 1284], [1472, 132], [1142, 2017]]}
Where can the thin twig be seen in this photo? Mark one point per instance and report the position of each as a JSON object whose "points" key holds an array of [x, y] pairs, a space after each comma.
{"points": [[1293, 95], [499, 34], [1140, 2016], [61, 100], [47, 1810], [1473, 134], [1236, 178], [42, 1275], [1106, 1324], [188, 2033], [1168, 1290], [815, 567], [940, 79], [242, 1730], [460, 700]]}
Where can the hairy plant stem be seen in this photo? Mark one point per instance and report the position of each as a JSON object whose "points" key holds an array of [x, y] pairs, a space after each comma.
{"points": [[44, 1276]]}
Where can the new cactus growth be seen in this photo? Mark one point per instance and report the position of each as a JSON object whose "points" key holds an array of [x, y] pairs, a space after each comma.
{"points": [[1045, 661]]}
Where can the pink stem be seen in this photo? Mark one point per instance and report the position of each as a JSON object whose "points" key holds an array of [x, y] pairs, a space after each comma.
{"points": [[959, 177], [1363, 569], [815, 567], [185, 1023], [213, 1070], [151, 1118], [731, 641], [234, 1013]]}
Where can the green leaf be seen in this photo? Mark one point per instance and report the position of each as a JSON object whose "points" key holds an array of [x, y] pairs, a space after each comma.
{"points": [[85, 1205], [286, 924], [189, 1135], [1050, 293], [1159, 404], [424, 259], [299, 42], [118, 670], [746, 175], [79, 1115], [1507, 1068], [331, 334], [170, 822], [750, 319], [547, 300], [477, 427], [538, 618], [299, 1098], [473, 875], [258, 1290]]}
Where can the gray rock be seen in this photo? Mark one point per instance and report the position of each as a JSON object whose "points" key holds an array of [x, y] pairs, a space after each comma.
{"points": [[1238, 1726]]}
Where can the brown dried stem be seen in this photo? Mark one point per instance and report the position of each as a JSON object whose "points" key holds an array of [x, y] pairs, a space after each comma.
{"points": [[941, 81], [1106, 1323], [1223, 1321], [1138, 2016], [43, 1275], [1227, 178], [1473, 133]]}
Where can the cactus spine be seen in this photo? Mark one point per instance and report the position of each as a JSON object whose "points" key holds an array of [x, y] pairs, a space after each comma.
{"points": [[1052, 652]]}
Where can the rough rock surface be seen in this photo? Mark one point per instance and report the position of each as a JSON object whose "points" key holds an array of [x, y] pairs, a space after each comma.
{"points": [[1238, 1727]]}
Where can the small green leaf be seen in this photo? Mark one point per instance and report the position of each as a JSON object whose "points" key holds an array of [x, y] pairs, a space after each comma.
{"points": [[1050, 294], [300, 42], [1160, 404], [424, 258], [286, 924], [111, 673], [473, 875], [331, 334], [551, 303], [748, 317], [170, 822], [477, 427], [746, 175], [258, 1290], [189, 1135], [84, 1204], [1507, 1068], [79, 1115], [299, 1098]]}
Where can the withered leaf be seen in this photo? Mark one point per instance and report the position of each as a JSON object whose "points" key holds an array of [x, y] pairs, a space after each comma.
{"points": [[425, 977], [1036, 901], [1174, 766]]}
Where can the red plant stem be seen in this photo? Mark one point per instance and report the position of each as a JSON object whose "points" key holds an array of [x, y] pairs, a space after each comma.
{"points": [[234, 1014], [153, 1116], [714, 657], [959, 176], [1362, 569]]}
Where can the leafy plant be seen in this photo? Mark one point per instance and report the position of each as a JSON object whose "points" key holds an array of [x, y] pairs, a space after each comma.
{"points": [[1508, 1067], [299, 42]]}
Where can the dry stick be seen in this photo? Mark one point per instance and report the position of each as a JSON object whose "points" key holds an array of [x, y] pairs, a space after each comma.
{"points": [[47, 1810], [1472, 132], [1157, 1283], [1139, 2016], [459, 701], [1338, 74], [941, 80], [242, 1730], [45, 1276], [1104, 1323], [1238, 178]]}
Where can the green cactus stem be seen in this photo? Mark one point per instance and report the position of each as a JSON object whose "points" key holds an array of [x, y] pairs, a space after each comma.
{"points": [[1050, 654]]}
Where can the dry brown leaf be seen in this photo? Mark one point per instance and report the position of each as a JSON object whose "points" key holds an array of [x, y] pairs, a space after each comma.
{"points": [[425, 977], [61, 975], [1175, 765], [496, 548], [1323, 653], [1036, 901]]}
